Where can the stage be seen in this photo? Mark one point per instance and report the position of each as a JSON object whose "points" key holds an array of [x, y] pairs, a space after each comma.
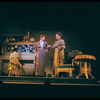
{"points": [[48, 80], [48, 87]]}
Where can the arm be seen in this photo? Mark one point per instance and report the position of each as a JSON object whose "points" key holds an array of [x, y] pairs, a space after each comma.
{"points": [[55, 44], [34, 47], [48, 47], [61, 47], [62, 42], [19, 56], [59, 44]]}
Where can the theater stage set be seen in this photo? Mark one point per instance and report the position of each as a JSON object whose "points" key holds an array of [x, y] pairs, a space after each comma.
{"points": [[63, 85], [79, 76]]}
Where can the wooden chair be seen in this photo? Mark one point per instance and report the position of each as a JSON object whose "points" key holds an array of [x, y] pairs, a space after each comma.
{"points": [[65, 68]]}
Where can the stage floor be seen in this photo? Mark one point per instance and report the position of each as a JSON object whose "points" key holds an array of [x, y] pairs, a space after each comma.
{"points": [[48, 87], [49, 80]]}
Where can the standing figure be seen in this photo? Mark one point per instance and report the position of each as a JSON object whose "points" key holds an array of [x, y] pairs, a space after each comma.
{"points": [[59, 46], [42, 47]]}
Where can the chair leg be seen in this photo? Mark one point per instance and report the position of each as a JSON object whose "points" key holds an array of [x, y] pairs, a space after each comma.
{"points": [[80, 74], [85, 70], [86, 74], [91, 75], [70, 73], [9, 73]]}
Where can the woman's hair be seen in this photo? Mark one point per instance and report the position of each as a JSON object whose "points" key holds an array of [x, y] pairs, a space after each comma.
{"points": [[59, 33], [42, 35]]}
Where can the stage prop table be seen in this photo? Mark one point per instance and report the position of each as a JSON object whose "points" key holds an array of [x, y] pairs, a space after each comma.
{"points": [[85, 65], [65, 68]]}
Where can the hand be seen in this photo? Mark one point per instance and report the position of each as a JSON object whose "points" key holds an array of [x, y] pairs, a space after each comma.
{"points": [[49, 46], [59, 47], [53, 47], [46, 50]]}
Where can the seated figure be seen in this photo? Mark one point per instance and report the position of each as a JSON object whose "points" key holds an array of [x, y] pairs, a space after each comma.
{"points": [[14, 64]]}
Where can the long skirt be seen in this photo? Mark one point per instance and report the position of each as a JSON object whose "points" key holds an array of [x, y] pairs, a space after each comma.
{"points": [[58, 59], [16, 62], [40, 67]]}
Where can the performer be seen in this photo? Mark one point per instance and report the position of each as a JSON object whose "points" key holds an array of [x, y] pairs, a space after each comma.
{"points": [[14, 59], [42, 47], [15, 56], [59, 46]]}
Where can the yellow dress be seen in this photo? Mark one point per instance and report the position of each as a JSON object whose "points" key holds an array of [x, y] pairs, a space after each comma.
{"points": [[58, 54], [14, 59]]}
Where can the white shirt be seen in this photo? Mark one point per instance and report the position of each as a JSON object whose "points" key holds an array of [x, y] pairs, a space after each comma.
{"points": [[41, 43]]}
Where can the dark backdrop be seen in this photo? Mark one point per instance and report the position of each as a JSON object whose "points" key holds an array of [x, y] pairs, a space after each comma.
{"points": [[78, 21]]}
